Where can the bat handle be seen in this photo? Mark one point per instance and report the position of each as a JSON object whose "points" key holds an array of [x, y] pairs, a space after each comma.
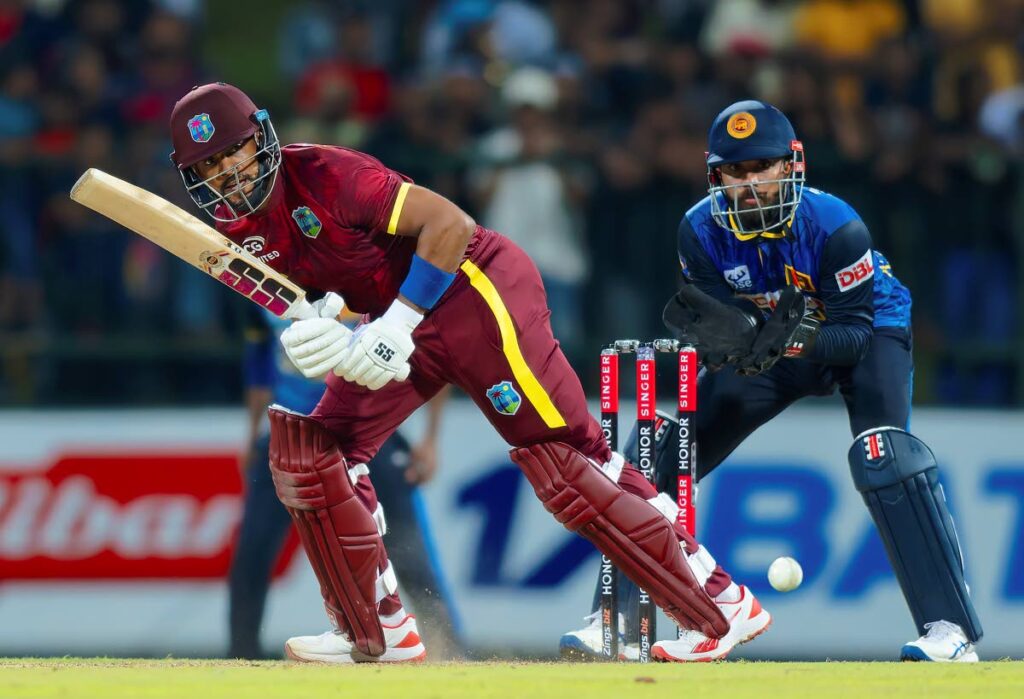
{"points": [[301, 310]]}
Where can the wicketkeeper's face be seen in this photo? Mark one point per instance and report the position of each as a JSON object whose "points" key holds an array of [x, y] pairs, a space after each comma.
{"points": [[754, 183]]}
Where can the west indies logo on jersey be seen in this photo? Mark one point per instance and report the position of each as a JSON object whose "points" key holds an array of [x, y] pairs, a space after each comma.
{"points": [[201, 128], [307, 221], [505, 399]]}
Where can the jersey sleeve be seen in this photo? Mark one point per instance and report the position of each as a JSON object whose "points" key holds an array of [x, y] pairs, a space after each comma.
{"points": [[370, 196], [847, 290]]}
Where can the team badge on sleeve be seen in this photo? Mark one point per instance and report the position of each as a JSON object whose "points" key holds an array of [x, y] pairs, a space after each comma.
{"points": [[201, 128], [857, 273], [307, 221], [505, 399]]}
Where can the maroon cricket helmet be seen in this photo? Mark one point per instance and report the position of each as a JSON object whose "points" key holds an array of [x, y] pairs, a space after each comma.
{"points": [[209, 119]]}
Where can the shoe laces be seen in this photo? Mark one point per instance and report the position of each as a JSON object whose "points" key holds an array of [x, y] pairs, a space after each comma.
{"points": [[942, 630]]}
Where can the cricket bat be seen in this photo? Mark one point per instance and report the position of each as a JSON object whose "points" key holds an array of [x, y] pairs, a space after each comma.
{"points": [[185, 236]]}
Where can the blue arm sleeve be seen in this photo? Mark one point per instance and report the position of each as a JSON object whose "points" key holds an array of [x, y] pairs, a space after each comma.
{"points": [[845, 336], [840, 345], [258, 352]]}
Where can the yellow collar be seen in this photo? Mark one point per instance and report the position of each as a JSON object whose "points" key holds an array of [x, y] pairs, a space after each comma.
{"points": [[774, 235]]}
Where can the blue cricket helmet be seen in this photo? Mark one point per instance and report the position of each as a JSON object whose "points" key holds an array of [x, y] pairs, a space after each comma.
{"points": [[754, 130], [749, 130]]}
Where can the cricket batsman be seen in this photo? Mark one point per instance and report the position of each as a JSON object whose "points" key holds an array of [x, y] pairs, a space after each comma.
{"points": [[398, 469], [446, 302], [785, 297]]}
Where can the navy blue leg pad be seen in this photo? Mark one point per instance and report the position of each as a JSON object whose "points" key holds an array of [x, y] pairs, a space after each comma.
{"points": [[898, 478]]}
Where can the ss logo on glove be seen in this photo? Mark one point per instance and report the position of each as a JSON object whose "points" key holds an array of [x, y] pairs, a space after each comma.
{"points": [[384, 352], [379, 351]]}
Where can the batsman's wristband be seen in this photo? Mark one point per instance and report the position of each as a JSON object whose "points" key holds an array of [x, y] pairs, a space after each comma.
{"points": [[425, 283]]}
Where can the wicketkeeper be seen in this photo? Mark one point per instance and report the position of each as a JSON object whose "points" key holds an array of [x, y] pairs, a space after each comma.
{"points": [[785, 297]]}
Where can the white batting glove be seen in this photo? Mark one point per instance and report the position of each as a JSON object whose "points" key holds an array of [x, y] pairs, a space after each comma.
{"points": [[380, 350], [330, 306], [317, 345]]}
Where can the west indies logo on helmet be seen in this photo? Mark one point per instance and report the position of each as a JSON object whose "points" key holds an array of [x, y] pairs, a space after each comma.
{"points": [[214, 118], [753, 131]]}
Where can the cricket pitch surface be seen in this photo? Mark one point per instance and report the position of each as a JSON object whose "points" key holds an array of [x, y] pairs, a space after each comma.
{"points": [[112, 678]]}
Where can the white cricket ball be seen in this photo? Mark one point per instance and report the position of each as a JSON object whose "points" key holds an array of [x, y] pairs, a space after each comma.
{"points": [[785, 574]]}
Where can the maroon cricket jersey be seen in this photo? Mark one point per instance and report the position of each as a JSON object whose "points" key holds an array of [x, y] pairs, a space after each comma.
{"points": [[325, 226]]}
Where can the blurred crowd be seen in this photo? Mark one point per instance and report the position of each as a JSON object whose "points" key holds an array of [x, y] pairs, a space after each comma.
{"points": [[576, 127]]}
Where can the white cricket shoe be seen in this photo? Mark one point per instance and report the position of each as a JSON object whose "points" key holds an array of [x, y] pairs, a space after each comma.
{"points": [[403, 646], [747, 619], [944, 642], [585, 643]]}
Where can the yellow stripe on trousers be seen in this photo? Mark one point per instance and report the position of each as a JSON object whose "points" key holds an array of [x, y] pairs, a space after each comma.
{"points": [[535, 393]]}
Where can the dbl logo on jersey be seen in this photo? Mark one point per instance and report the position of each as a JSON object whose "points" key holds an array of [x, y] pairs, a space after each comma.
{"points": [[857, 273]]}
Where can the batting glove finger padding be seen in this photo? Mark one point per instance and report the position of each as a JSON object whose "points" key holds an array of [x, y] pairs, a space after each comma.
{"points": [[330, 306], [315, 346]]}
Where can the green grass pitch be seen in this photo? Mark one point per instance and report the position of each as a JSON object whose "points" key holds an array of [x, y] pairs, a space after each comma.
{"points": [[109, 678]]}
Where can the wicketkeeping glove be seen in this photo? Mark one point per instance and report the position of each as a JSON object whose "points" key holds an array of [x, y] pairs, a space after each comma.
{"points": [[720, 332], [380, 350], [788, 332], [316, 345]]}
